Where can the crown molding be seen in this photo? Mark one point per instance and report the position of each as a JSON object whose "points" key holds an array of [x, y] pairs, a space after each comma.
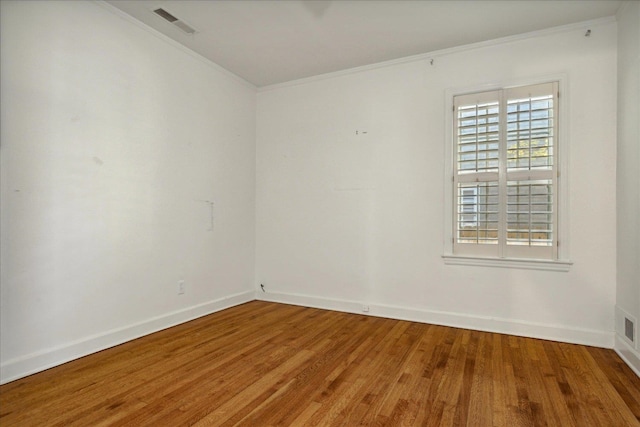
{"points": [[444, 52]]}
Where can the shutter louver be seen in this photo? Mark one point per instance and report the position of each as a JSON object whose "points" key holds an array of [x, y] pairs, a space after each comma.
{"points": [[505, 174]]}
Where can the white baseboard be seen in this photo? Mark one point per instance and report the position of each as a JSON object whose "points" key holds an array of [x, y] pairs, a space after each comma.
{"points": [[21, 367], [17, 368], [628, 354], [459, 320]]}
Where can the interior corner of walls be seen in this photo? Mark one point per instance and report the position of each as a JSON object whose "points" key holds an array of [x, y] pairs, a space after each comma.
{"points": [[168, 40], [313, 302], [39, 361], [629, 355]]}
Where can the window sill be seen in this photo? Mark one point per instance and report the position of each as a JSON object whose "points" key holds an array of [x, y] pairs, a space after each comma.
{"points": [[527, 264]]}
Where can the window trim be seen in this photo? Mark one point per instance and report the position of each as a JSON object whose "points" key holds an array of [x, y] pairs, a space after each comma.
{"points": [[561, 261], [528, 264]]}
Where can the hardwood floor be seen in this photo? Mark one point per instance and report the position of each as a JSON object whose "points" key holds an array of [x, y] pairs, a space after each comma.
{"points": [[266, 364]]}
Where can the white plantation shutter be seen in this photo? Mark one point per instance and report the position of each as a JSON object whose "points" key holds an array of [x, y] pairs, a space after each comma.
{"points": [[505, 173]]}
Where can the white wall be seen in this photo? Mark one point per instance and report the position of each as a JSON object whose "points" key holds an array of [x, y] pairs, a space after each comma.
{"points": [[112, 138], [628, 178], [346, 219]]}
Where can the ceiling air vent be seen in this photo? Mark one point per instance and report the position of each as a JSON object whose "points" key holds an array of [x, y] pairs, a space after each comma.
{"points": [[175, 21]]}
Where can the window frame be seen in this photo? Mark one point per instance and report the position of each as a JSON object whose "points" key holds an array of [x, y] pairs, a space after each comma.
{"points": [[559, 260]]}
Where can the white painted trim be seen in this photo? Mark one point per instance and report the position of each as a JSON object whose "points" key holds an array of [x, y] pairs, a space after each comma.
{"points": [[174, 43], [630, 356], [559, 333], [562, 182], [443, 52], [40, 361], [311, 301], [527, 264], [21, 367]]}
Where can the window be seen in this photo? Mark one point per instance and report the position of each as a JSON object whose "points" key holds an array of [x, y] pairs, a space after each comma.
{"points": [[505, 174]]}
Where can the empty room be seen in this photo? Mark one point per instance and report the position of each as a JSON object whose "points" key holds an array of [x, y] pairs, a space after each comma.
{"points": [[319, 213]]}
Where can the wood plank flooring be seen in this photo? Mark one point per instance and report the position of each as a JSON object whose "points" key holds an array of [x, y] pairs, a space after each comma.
{"points": [[265, 364]]}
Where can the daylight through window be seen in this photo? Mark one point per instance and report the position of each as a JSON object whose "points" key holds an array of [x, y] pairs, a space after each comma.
{"points": [[505, 174]]}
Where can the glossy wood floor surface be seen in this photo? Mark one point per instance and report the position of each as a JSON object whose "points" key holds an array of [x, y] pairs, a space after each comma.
{"points": [[266, 364]]}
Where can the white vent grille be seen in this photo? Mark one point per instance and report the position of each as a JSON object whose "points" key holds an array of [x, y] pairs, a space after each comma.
{"points": [[184, 27], [626, 327], [175, 21], [629, 329], [166, 15]]}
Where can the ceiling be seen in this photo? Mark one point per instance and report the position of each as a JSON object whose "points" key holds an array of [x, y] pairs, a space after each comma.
{"points": [[269, 42]]}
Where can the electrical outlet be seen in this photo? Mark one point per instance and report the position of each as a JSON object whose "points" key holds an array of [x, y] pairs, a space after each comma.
{"points": [[181, 287], [365, 308]]}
